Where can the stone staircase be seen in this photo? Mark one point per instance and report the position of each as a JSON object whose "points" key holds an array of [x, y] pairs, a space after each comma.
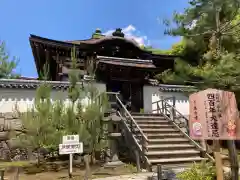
{"points": [[157, 139], [167, 145]]}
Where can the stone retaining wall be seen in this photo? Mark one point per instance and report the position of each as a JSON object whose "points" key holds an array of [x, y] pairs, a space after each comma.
{"points": [[9, 121]]}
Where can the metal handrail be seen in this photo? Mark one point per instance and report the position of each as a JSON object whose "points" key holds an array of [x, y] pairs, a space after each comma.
{"points": [[130, 116], [176, 125], [135, 140], [175, 110], [126, 111], [126, 126], [162, 100]]}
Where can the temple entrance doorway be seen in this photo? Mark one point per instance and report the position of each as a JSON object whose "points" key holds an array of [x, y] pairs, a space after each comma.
{"points": [[129, 92]]}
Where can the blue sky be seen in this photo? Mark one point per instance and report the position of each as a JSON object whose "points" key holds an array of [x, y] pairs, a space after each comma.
{"points": [[77, 19]]}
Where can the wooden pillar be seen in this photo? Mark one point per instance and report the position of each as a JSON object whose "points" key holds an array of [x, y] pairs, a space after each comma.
{"points": [[218, 159], [233, 159], [137, 156]]}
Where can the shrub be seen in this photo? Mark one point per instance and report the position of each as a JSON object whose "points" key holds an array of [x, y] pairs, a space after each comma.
{"points": [[201, 171]]}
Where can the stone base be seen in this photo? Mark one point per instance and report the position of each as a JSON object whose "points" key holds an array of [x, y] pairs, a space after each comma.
{"points": [[113, 164], [168, 174]]}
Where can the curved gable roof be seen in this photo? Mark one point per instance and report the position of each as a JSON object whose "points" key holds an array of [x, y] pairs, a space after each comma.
{"points": [[85, 42]]}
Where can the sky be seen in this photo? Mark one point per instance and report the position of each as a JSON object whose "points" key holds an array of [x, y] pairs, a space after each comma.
{"points": [[78, 19]]}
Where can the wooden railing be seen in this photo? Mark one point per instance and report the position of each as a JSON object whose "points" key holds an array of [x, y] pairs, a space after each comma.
{"points": [[130, 126], [164, 108], [135, 132]]}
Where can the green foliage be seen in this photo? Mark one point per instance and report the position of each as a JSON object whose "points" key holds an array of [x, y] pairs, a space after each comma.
{"points": [[201, 25], [205, 55], [200, 16], [223, 74], [155, 51], [201, 171], [4, 165], [48, 121], [7, 65], [83, 115], [44, 75], [97, 36], [176, 49], [38, 122], [73, 91]]}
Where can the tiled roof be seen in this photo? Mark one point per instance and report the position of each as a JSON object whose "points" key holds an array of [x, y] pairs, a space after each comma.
{"points": [[126, 62], [63, 85], [33, 84], [171, 88], [176, 88]]}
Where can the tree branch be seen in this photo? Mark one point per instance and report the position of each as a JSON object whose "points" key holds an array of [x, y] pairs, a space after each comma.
{"points": [[229, 22], [232, 33], [232, 27], [200, 34]]}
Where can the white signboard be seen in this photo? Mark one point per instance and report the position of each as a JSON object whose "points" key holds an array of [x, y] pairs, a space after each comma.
{"points": [[71, 148], [68, 139]]}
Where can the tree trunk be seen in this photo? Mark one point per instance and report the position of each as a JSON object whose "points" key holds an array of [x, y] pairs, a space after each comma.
{"points": [[2, 174], [93, 159], [233, 159], [87, 167], [38, 157], [17, 174], [30, 154]]}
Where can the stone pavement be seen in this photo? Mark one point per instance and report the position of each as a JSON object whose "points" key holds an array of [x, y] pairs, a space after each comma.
{"points": [[138, 176]]}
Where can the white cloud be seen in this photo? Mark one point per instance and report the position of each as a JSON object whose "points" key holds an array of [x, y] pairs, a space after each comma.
{"points": [[133, 34], [193, 24], [130, 28]]}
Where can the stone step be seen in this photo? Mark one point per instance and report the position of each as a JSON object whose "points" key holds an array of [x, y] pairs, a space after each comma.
{"points": [[152, 126], [154, 153], [173, 153], [162, 147], [175, 160], [168, 141], [162, 135], [155, 130], [152, 121], [144, 114], [173, 166], [148, 117]]}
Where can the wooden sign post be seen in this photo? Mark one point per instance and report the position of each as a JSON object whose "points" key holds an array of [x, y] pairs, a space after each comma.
{"points": [[218, 159], [70, 145], [214, 116]]}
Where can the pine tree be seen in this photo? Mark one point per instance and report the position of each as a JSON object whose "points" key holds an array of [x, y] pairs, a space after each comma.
{"points": [[7, 65], [217, 67], [205, 21], [95, 111], [73, 121], [37, 122]]}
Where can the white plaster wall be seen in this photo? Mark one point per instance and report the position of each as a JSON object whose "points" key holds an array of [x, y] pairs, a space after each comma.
{"points": [[152, 94], [24, 98]]}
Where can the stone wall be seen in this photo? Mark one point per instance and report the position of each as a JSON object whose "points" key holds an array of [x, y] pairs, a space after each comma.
{"points": [[9, 121]]}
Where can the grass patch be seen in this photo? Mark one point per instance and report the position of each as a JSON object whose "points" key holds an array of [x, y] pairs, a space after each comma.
{"points": [[97, 171]]}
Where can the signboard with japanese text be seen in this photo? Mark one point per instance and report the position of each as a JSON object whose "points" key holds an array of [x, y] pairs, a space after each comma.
{"points": [[214, 115], [68, 139], [71, 148], [70, 145]]}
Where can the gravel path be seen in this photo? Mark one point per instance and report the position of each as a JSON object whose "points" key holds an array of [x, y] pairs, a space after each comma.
{"points": [[139, 176]]}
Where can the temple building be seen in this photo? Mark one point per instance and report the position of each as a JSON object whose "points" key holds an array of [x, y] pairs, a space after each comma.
{"points": [[120, 64], [114, 64]]}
